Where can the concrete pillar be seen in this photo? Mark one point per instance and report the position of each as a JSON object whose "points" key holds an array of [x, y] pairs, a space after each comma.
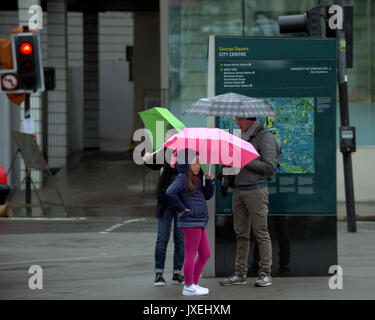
{"points": [[91, 81], [75, 81], [10, 114], [57, 99], [9, 121], [164, 51], [146, 61]]}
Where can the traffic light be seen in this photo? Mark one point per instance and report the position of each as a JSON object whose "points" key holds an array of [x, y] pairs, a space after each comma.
{"points": [[27, 74], [308, 22]]}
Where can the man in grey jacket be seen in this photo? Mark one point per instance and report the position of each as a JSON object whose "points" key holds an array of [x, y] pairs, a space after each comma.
{"points": [[250, 203]]}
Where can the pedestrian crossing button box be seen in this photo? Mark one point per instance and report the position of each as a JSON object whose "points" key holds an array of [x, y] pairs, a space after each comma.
{"points": [[347, 139]]}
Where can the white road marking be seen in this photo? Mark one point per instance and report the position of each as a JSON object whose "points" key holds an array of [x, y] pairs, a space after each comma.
{"points": [[116, 226], [56, 260], [133, 220], [41, 219]]}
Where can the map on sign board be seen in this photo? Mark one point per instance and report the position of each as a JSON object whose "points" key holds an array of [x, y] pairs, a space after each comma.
{"points": [[294, 126]]}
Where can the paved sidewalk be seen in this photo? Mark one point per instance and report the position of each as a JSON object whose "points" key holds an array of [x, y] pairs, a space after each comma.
{"points": [[119, 265], [106, 250]]}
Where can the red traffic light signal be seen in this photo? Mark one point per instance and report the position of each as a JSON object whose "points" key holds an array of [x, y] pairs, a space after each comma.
{"points": [[27, 74], [26, 48]]}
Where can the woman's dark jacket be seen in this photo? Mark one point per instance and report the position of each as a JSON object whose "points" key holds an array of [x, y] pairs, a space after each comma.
{"points": [[165, 180], [180, 199]]}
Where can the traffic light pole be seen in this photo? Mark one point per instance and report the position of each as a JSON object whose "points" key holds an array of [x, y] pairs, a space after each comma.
{"points": [[28, 178], [344, 116], [28, 175]]}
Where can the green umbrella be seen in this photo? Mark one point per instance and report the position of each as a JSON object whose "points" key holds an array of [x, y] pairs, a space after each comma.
{"points": [[150, 119]]}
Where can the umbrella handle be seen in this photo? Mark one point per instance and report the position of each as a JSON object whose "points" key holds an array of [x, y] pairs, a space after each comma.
{"points": [[209, 171], [162, 147]]}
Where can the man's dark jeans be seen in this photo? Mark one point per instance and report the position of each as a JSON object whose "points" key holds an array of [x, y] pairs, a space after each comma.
{"points": [[164, 232]]}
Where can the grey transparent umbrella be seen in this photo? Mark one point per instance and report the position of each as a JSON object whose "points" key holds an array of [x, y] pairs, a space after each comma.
{"points": [[231, 105]]}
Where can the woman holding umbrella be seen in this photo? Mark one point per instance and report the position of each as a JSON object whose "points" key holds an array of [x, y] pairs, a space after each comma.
{"points": [[159, 121], [188, 196], [165, 215]]}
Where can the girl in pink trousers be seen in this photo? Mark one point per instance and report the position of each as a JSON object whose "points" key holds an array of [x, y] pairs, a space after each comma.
{"points": [[188, 196]]}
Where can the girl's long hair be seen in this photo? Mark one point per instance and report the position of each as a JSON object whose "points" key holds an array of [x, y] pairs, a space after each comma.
{"points": [[191, 182]]}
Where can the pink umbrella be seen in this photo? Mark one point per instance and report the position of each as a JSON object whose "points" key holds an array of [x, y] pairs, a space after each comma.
{"points": [[214, 146]]}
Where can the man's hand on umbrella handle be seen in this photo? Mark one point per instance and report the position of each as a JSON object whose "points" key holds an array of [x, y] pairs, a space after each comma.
{"points": [[147, 156], [182, 212], [210, 175]]}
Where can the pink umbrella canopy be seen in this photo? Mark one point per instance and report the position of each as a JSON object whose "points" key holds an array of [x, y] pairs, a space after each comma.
{"points": [[214, 146]]}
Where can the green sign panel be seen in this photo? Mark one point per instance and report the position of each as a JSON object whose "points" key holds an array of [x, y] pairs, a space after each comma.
{"points": [[297, 76]]}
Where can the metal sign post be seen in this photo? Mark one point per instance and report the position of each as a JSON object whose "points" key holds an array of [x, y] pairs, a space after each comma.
{"points": [[28, 178], [344, 115]]}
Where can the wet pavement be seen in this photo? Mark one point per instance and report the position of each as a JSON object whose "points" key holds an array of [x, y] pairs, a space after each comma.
{"points": [[105, 249], [113, 258], [96, 184]]}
